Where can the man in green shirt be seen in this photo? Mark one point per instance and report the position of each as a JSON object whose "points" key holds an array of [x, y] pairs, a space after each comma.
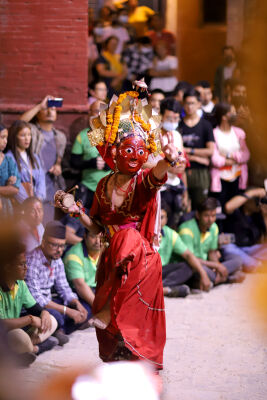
{"points": [[86, 158], [28, 335], [80, 266], [179, 263], [200, 235]]}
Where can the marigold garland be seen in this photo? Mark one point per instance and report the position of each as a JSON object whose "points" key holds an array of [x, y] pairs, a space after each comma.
{"points": [[108, 127], [152, 147], [114, 120]]}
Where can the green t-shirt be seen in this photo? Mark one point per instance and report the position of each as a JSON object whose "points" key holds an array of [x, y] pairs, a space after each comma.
{"points": [[82, 145], [78, 264], [12, 302], [171, 246], [199, 243]]}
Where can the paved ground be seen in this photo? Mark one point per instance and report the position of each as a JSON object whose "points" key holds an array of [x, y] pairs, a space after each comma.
{"points": [[215, 349]]}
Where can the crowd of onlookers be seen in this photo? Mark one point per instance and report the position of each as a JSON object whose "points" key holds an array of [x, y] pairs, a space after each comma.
{"points": [[213, 224]]}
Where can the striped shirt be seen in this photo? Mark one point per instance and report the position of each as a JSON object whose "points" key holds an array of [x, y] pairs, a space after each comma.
{"points": [[42, 276]]}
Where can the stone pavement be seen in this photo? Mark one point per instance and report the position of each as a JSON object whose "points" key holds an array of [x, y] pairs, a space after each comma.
{"points": [[215, 349]]}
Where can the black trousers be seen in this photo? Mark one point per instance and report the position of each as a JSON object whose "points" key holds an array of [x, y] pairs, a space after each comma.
{"points": [[176, 274]]}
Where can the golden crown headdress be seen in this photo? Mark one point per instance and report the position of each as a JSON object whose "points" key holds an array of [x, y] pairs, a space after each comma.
{"points": [[125, 116]]}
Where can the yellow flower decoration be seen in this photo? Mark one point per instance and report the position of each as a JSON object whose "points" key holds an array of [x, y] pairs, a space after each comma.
{"points": [[114, 120]]}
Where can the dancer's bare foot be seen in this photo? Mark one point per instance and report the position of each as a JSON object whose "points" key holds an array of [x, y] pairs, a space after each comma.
{"points": [[102, 319], [98, 323]]}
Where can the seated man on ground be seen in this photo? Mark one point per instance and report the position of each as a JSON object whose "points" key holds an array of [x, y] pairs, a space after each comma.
{"points": [[28, 335], [46, 270], [31, 223], [177, 272], [200, 234], [80, 266], [247, 220]]}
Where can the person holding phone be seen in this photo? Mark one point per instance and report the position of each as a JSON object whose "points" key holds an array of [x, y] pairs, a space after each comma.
{"points": [[29, 164], [49, 144]]}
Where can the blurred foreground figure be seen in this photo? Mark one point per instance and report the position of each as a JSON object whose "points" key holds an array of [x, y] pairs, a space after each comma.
{"points": [[28, 334], [114, 381]]}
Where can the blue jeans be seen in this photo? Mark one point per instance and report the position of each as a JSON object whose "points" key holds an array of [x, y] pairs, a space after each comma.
{"points": [[251, 256], [64, 322]]}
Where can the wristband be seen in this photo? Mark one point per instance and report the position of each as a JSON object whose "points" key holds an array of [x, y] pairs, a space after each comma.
{"points": [[64, 310], [81, 210], [244, 195], [175, 162], [192, 151], [170, 163]]}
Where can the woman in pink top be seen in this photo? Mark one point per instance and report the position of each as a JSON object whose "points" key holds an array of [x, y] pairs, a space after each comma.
{"points": [[229, 171]]}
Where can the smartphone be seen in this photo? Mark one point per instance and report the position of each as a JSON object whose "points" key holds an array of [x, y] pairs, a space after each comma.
{"points": [[56, 102], [226, 238]]}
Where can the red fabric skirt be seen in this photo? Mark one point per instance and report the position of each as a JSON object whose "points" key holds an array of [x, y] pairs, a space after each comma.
{"points": [[130, 275]]}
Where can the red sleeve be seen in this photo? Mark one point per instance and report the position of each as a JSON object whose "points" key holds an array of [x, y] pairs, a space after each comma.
{"points": [[150, 182]]}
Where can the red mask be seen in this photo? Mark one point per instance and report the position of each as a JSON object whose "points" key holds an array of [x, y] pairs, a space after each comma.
{"points": [[131, 155]]}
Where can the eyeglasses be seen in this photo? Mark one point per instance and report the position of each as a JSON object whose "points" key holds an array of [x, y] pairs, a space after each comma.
{"points": [[56, 245]]}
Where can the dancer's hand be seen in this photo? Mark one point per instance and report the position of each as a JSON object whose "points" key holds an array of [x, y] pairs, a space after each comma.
{"points": [[169, 149], [73, 209]]}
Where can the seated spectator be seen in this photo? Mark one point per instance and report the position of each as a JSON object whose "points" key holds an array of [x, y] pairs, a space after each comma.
{"points": [[204, 88], [29, 165], [176, 273], [109, 67], [138, 57], [32, 218], [157, 33], [46, 271], [155, 98], [9, 176], [174, 192], [80, 266], [163, 70], [229, 171], [247, 220], [49, 144], [200, 235], [28, 335], [198, 141], [86, 158], [138, 17], [98, 91]]}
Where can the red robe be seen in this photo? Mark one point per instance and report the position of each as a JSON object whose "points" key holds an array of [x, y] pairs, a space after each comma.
{"points": [[135, 290]]}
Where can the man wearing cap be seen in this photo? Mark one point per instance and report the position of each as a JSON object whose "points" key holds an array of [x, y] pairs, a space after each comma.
{"points": [[46, 270]]}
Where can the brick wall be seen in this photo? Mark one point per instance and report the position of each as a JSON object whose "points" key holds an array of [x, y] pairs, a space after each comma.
{"points": [[43, 51]]}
